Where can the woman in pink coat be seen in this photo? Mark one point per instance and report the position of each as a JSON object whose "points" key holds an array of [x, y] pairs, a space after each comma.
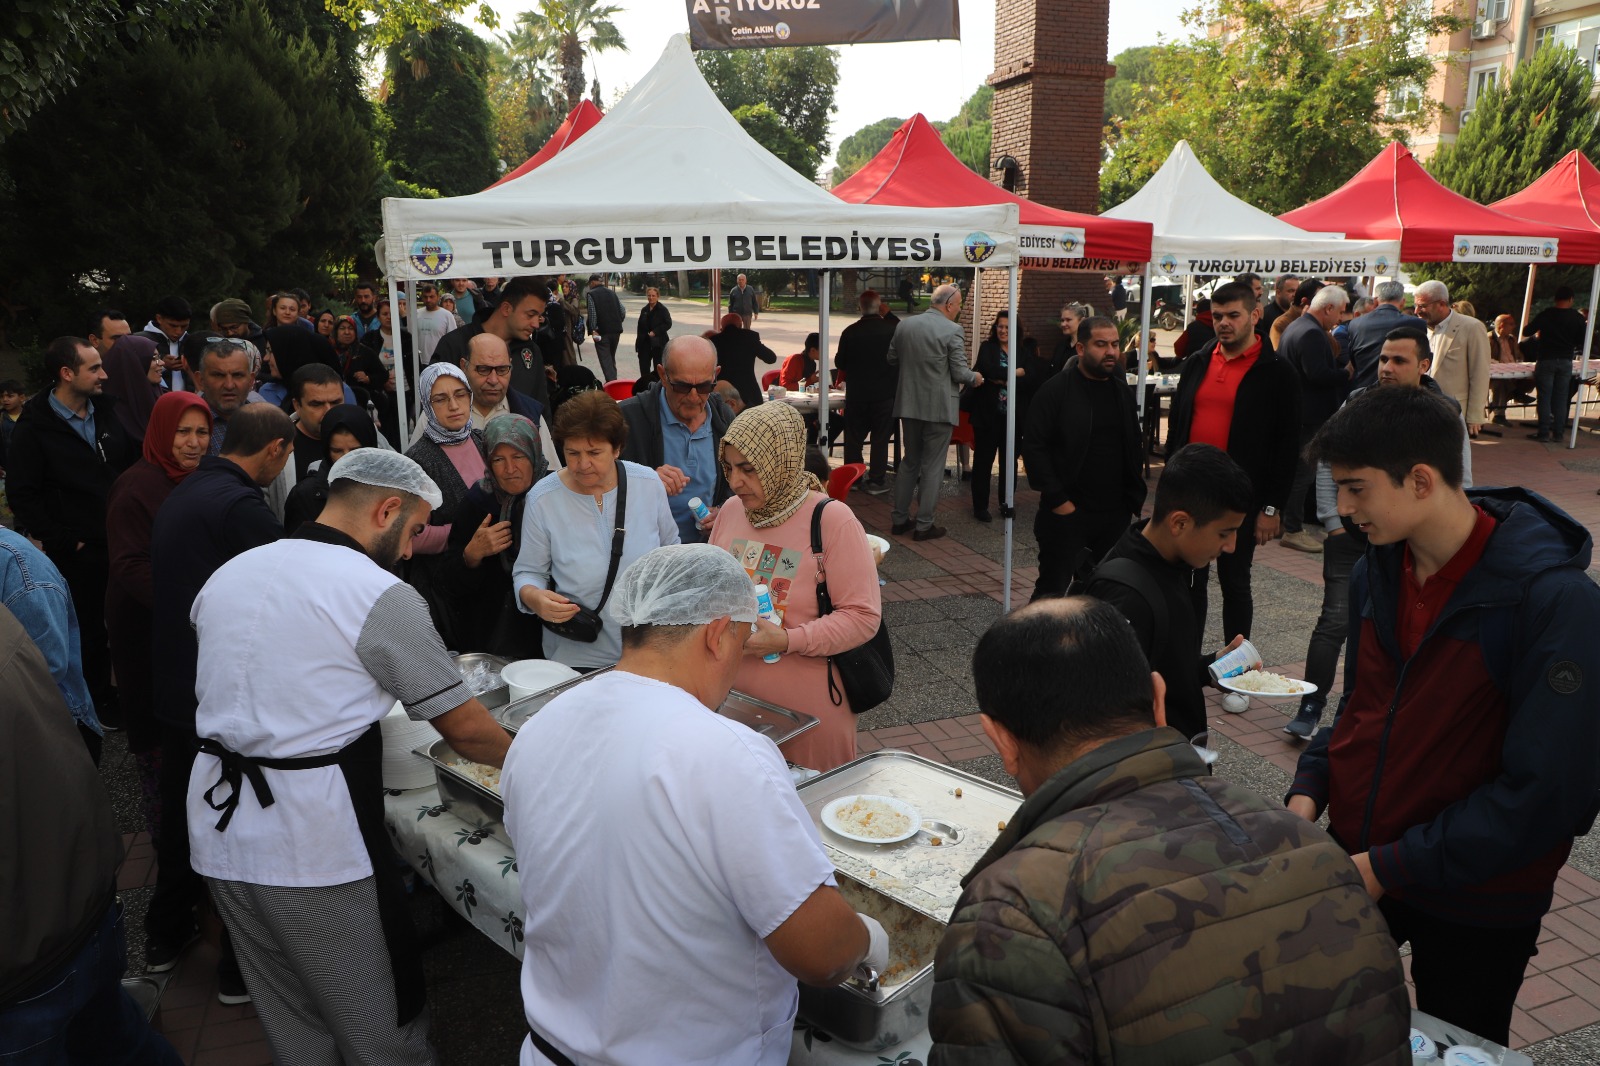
{"points": [[767, 526]]}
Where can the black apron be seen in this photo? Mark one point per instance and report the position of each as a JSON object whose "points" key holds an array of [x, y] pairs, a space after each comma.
{"points": [[361, 762]]}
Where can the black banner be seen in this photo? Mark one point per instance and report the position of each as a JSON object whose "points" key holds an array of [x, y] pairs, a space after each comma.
{"points": [[792, 23]]}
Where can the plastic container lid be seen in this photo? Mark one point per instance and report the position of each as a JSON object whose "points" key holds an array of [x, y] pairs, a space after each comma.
{"points": [[1470, 1056], [1423, 1049]]}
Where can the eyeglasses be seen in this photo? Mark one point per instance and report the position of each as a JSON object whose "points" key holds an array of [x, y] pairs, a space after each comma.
{"points": [[450, 399], [493, 371], [684, 388]]}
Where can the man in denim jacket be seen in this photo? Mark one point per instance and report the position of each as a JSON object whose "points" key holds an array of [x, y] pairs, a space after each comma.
{"points": [[33, 589]]}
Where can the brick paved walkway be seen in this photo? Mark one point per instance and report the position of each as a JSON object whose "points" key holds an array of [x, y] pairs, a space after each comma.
{"points": [[1561, 995]]}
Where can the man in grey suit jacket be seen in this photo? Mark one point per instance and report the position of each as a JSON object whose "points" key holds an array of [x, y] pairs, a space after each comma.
{"points": [[928, 350]]}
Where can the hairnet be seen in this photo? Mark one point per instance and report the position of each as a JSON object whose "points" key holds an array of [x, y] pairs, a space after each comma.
{"points": [[386, 470], [683, 585]]}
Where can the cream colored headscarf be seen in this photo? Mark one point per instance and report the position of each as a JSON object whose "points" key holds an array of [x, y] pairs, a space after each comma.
{"points": [[772, 436]]}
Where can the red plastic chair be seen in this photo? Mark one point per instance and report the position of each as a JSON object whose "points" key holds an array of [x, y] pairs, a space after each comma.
{"points": [[620, 389], [843, 477], [962, 434], [769, 378]]}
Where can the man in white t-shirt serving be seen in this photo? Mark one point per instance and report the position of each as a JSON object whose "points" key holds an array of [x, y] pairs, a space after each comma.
{"points": [[286, 800], [675, 886]]}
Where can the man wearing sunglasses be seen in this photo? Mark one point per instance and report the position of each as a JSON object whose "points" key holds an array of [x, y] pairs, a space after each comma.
{"points": [[676, 426]]}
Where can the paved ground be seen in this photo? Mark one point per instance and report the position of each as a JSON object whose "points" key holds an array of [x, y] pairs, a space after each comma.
{"points": [[939, 597]]}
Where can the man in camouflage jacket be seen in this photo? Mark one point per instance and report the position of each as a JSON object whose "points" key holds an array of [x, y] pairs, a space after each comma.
{"points": [[1136, 910]]}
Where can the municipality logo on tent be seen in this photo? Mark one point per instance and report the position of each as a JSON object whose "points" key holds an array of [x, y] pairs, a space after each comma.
{"points": [[1069, 242], [431, 254], [1380, 265], [1463, 246], [979, 246], [1168, 263], [1548, 250]]}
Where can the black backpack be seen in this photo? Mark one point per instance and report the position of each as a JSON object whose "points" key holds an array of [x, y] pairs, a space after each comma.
{"points": [[1130, 574]]}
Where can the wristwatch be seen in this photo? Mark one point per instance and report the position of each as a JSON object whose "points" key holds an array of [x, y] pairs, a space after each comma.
{"points": [[1270, 511]]}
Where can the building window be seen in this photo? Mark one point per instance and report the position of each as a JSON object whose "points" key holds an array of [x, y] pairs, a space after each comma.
{"points": [[1405, 99], [1482, 80], [1543, 36], [1497, 10]]}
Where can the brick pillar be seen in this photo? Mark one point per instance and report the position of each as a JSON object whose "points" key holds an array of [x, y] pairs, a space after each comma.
{"points": [[1049, 80]]}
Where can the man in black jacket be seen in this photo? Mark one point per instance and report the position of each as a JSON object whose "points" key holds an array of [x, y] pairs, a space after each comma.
{"points": [[1201, 500], [682, 405], [605, 323], [1082, 453], [869, 384], [216, 513], [67, 449], [515, 320], [1324, 378], [1239, 395], [1367, 333]]}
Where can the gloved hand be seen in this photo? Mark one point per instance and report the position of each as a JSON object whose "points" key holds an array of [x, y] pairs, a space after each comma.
{"points": [[877, 946]]}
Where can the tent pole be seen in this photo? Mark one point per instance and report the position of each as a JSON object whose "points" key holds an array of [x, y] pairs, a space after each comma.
{"points": [[1588, 344], [824, 378], [416, 348], [977, 313], [399, 361], [1527, 297], [1188, 300], [1008, 477], [716, 297], [1144, 343]]}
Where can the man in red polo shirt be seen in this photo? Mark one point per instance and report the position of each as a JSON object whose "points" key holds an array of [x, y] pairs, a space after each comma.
{"points": [[1237, 394], [1465, 755]]}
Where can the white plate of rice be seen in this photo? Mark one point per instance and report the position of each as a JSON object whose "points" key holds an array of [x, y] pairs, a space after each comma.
{"points": [[872, 819], [1266, 685]]}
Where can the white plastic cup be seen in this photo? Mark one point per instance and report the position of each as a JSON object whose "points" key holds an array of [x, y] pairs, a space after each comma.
{"points": [[1423, 1049], [768, 614], [1240, 660]]}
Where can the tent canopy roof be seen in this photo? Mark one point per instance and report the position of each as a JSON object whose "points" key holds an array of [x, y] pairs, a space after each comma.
{"points": [[1202, 228], [1394, 198], [1568, 194], [917, 169], [579, 120], [668, 180]]}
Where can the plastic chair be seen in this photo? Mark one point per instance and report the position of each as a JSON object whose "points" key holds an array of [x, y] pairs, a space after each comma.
{"points": [[620, 389], [962, 434], [769, 378], [843, 477]]}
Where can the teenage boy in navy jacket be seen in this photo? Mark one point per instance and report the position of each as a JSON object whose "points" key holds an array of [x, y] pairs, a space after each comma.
{"points": [[1465, 755]]}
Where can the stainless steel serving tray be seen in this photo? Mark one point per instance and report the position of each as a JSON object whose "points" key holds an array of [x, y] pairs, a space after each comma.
{"points": [[467, 800], [776, 723], [495, 697], [924, 876]]}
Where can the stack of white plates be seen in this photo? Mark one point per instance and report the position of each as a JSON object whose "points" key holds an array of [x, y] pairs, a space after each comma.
{"points": [[402, 767]]}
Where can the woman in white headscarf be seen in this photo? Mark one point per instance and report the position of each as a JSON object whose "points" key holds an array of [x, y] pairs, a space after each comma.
{"points": [[450, 451]]}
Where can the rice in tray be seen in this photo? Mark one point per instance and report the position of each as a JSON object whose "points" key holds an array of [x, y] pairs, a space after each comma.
{"points": [[1266, 681], [871, 818], [487, 776], [913, 938]]}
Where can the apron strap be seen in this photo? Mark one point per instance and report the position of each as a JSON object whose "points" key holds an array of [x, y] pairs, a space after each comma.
{"points": [[236, 769]]}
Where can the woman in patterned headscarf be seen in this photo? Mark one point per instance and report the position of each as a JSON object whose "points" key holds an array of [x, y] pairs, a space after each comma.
{"points": [[485, 539], [767, 526], [451, 452]]}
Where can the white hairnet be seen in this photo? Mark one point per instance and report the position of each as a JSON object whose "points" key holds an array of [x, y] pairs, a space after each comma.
{"points": [[683, 585], [386, 470]]}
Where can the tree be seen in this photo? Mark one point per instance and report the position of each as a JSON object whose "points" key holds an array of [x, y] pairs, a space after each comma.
{"points": [[763, 124], [1287, 104], [524, 100], [387, 22], [796, 83], [1135, 71], [436, 94], [971, 132], [866, 142], [263, 183], [45, 44], [1515, 134], [560, 33]]}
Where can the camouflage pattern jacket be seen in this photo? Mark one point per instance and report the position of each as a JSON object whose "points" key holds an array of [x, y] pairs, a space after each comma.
{"points": [[1137, 911]]}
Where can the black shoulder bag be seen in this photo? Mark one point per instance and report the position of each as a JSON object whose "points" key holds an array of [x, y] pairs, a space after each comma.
{"points": [[866, 672], [585, 626]]}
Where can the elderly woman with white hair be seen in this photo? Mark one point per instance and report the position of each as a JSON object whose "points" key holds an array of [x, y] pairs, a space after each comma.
{"points": [[768, 526]]}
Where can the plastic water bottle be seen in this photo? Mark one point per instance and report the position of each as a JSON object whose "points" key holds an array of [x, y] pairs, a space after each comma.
{"points": [[698, 508], [768, 614]]}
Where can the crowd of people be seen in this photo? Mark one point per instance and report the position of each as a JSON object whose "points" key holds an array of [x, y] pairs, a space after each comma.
{"points": [[197, 509]]}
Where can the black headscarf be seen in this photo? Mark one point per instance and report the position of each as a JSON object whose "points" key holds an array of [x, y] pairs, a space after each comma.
{"points": [[295, 346], [348, 417]]}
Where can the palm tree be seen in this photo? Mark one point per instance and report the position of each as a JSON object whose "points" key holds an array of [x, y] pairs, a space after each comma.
{"points": [[560, 33]]}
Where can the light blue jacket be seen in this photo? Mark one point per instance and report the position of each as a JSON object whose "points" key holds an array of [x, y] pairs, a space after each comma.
{"points": [[33, 589]]}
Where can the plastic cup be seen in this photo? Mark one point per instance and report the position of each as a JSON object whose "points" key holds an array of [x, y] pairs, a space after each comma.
{"points": [[1240, 660]]}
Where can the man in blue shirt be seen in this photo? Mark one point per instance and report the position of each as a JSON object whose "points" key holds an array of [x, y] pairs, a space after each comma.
{"points": [[675, 427]]}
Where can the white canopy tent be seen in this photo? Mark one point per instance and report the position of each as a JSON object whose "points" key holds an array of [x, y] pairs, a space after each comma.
{"points": [[668, 180], [1202, 228]]}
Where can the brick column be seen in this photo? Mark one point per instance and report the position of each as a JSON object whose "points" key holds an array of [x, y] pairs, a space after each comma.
{"points": [[1049, 81]]}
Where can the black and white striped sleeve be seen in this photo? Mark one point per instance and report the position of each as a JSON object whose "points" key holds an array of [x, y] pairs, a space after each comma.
{"points": [[406, 656]]}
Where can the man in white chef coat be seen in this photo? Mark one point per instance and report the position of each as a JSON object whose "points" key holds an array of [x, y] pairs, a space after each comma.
{"points": [[285, 799], [675, 886]]}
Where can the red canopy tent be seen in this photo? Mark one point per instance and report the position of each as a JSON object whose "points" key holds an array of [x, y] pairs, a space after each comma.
{"points": [[1393, 198], [580, 121], [915, 169], [1568, 194]]}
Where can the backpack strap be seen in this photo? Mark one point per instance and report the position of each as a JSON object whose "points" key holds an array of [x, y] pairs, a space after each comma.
{"points": [[1130, 574]]}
